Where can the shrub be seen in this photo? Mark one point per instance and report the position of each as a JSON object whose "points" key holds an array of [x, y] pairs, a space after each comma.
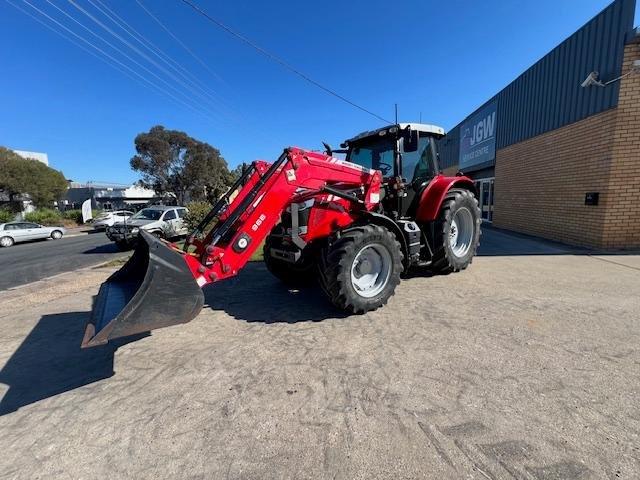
{"points": [[6, 215], [75, 215], [197, 212], [44, 216]]}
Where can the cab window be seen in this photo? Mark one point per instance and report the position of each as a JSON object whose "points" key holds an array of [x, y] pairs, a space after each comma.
{"points": [[170, 215], [377, 155], [418, 164]]}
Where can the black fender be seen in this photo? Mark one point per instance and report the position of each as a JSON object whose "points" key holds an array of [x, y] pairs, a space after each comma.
{"points": [[386, 222]]}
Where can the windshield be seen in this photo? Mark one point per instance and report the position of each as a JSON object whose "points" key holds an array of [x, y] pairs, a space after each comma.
{"points": [[374, 152], [148, 214]]}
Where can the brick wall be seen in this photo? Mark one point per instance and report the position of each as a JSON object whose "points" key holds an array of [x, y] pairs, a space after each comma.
{"points": [[622, 219], [541, 183]]}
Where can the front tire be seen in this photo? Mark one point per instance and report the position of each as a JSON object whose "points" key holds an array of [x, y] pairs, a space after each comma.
{"points": [[6, 242], [299, 274], [56, 234], [457, 232], [360, 269]]}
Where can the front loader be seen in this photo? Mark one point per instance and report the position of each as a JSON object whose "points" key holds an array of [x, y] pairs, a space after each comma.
{"points": [[354, 225]]}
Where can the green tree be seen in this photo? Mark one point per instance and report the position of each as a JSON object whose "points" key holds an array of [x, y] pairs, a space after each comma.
{"points": [[19, 177], [171, 161], [238, 171]]}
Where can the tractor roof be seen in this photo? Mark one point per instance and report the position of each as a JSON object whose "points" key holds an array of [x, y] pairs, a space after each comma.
{"points": [[420, 127]]}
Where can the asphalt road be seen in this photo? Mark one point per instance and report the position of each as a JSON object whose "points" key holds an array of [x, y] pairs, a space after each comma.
{"points": [[27, 262]]}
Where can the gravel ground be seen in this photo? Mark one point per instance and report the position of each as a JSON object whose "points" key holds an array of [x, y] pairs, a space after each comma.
{"points": [[524, 366]]}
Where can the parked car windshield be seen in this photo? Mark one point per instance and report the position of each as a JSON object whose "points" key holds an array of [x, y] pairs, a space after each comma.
{"points": [[148, 214]]}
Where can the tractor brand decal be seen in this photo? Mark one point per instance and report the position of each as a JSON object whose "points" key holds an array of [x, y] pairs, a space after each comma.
{"points": [[354, 166], [478, 137], [259, 221]]}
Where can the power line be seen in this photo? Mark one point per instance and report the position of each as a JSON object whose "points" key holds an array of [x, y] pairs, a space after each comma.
{"points": [[180, 42], [75, 42], [113, 59], [157, 51], [279, 60], [256, 128], [142, 54], [132, 60]]}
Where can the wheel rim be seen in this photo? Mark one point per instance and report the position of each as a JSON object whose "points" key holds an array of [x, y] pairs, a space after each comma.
{"points": [[461, 232], [5, 242], [56, 235], [371, 270]]}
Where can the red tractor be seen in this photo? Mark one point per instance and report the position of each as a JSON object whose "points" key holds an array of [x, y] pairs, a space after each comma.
{"points": [[355, 225]]}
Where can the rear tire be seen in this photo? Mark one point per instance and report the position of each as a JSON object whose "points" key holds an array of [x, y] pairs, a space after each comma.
{"points": [[56, 234], [457, 232], [6, 242], [299, 274], [360, 269]]}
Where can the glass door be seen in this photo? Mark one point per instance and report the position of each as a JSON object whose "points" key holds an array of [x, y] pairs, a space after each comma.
{"points": [[485, 187]]}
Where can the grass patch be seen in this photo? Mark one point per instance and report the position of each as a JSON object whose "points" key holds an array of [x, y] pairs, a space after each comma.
{"points": [[116, 262]]}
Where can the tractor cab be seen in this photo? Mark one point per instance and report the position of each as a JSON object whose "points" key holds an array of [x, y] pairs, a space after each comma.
{"points": [[407, 156]]}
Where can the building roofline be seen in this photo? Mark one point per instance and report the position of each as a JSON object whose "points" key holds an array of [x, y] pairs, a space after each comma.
{"points": [[633, 36]]}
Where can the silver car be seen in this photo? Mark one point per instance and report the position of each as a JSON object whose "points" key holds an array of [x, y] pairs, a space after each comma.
{"points": [[15, 232], [160, 221]]}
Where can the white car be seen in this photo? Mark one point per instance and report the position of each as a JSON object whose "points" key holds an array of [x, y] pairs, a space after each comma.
{"points": [[160, 221], [107, 219], [15, 232]]}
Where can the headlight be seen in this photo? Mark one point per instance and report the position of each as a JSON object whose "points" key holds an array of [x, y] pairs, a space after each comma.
{"points": [[135, 230]]}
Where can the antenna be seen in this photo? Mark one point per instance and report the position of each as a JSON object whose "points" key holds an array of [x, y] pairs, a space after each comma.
{"points": [[420, 117], [396, 113]]}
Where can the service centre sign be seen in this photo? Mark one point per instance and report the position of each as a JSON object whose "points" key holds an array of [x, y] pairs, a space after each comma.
{"points": [[478, 138]]}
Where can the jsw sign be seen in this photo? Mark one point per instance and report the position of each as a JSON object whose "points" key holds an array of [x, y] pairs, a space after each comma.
{"points": [[478, 138]]}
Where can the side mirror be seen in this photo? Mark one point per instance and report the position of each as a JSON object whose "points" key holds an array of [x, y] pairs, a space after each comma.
{"points": [[410, 140]]}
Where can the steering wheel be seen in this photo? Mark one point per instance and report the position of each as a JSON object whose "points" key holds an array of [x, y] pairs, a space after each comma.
{"points": [[384, 168]]}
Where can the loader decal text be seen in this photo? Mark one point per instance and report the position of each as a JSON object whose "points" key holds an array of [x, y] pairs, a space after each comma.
{"points": [[259, 221]]}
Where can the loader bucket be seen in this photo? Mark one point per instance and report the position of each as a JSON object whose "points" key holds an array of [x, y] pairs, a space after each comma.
{"points": [[154, 289]]}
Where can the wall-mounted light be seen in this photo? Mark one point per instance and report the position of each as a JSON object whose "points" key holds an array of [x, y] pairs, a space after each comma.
{"points": [[593, 79]]}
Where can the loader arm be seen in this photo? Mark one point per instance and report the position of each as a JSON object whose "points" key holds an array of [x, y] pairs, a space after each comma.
{"points": [[160, 285]]}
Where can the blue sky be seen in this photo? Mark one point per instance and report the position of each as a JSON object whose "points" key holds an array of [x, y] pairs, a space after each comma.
{"points": [[441, 59]]}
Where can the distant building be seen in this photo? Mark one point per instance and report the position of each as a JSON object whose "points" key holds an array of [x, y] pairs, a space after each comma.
{"points": [[40, 157], [107, 196]]}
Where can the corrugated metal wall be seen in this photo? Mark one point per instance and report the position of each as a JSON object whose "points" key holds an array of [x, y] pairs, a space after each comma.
{"points": [[548, 95]]}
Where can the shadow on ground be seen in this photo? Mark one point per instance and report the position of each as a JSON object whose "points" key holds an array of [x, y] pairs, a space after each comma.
{"points": [[106, 248], [496, 242], [256, 296], [50, 361]]}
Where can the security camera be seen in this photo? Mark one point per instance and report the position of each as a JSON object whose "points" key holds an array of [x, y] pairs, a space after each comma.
{"points": [[592, 79]]}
